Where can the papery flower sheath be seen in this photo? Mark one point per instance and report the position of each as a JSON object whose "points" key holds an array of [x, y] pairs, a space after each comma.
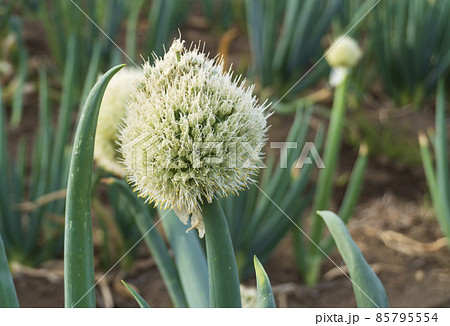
{"points": [[192, 132]]}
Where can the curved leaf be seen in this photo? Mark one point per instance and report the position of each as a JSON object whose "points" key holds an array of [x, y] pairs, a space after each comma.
{"points": [[78, 247], [142, 303], [369, 291], [224, 289]]}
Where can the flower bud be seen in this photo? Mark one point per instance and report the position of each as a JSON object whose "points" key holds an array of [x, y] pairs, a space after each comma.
{"points": [[344, 52]]}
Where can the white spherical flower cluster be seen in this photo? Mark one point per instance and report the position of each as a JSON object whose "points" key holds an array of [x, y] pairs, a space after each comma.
{"points": [[344, 52], [191, 133], [112, 111]]}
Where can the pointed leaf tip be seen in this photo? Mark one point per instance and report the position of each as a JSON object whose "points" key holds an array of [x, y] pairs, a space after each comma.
{"points": [[142, 303], [265, 298]]}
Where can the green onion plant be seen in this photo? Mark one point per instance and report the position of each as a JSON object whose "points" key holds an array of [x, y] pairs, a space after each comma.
{"points": [[437, 167], [13, 63], [222, 11], [78, 243], [32, 204], [8, 295], [410, 47], [342, 57], [285, 41], [192, 278], [87, 22], [368, 289]]}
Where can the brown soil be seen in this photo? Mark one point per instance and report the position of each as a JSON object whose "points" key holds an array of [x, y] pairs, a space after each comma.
{"points": [[412, 276]]}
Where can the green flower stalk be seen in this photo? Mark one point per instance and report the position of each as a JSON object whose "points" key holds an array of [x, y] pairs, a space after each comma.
{"points": [[192, 133], [343, 55], [112, 111]]}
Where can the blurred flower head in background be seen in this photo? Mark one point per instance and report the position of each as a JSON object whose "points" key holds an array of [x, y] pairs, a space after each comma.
{"points": [[188, 130], [112, 111], [342, 55], [343, 52]]}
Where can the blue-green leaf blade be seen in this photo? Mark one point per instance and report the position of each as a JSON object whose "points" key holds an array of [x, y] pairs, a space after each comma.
{"points": [[224, 291], [78, 244], [190, 259], [442, 164], [263, 288], [8, 295], [368, 289], [155, 244]]}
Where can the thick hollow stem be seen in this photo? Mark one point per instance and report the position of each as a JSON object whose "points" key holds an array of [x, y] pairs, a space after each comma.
{"points": [[222, 268], [325, 181]]}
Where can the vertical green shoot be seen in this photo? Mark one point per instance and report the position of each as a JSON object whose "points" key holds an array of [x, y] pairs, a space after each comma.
{"points": [[191, 263], [78, 247], [8, 296], [442, 166], [368, 289], [325, 180], [224, 289]]}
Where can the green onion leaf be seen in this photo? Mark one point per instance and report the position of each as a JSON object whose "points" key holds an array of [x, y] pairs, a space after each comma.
{"points": [[224, 289], [369, 291], [8, 296], [142, 303], [264, 289], [78, 246]]}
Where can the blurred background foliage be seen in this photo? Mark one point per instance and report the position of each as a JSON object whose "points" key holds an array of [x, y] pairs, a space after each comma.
{"points": [[406, 48]]}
